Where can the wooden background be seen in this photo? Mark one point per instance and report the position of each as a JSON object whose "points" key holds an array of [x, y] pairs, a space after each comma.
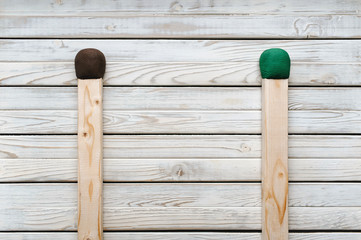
{"points": [[182, 103]]}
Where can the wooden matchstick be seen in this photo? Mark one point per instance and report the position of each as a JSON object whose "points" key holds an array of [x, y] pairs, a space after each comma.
{"points": [[275, 70], [90, 68]]}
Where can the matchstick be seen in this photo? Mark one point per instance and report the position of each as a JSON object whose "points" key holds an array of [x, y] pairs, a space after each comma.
{"points": [[275, 70], [90, 68]]}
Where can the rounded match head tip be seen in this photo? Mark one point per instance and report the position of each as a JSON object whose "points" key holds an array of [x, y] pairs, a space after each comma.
{"points": [[89, 64], [275, 63]]}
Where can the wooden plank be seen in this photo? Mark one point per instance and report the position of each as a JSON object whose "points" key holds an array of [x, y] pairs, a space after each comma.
{"points": [[136, 98], [178, 74], [275, 159], [178, 170], [90, 159], [301, 51], [241, 218], [180, 236], [179, 98], [109, 7], [163, 212], [325, 147], [182, 26], [179, 122], [183, 195], [179, 158]]}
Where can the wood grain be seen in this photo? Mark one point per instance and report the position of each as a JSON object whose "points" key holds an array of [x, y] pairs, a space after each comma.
{"points": [[189, 209], [206, 51], [179, 170], [130, 7], [182, 195], [131, 219], [178, 158], [178, 74], [179, 98], [179, 147], [90, 159], [183, 26], [179, 236], [275, 159], [179, 122]]}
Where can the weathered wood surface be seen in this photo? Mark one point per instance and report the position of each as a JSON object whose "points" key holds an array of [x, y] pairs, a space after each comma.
{"points": [[178, 170], [179, 146], [178, 218], [128, 170], [90, 159], [179, 158], [174, 157], [143, 110], [179, 122], [179, 236], [182, 195], [179, 73], [180, 51], [183, 26], [143, 62], [93, 7], [179, 98], [182, 206], [275, 159]]}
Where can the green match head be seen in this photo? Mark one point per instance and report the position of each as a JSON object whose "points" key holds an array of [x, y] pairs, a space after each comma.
{"points": [[275, 64]]}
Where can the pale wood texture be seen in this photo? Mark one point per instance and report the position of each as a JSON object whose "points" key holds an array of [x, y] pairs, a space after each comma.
{"points": [[179, 122], [222, 106], [179, 158], [183, 26], [93, 7], [180, 51], [90, 157], [179, 170], [179, 98], [275, 159], [233, 206], [178, 218], [187, 195], [217, 62], [179, 146], [178, 74], [179, 236]]}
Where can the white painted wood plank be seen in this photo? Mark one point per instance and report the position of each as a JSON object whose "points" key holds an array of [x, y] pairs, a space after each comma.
{"points": [[194, 147], [40, 207], [180, 236], [301, 51], [93, 7], [182, 26], [178, 74], [178, 98], [176, 218], [178, 170], [182, 195], [188, 121], [136, 98]]}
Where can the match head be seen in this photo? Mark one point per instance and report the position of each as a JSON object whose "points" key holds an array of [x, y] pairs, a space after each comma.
{"points": [[275, 63], [89, 64]]}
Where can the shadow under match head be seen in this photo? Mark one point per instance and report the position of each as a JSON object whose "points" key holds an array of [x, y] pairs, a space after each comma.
{"points": [[275, 63], [90, 64]]}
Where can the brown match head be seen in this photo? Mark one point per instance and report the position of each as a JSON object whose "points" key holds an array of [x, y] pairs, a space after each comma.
{"points": [[89, 64]]}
